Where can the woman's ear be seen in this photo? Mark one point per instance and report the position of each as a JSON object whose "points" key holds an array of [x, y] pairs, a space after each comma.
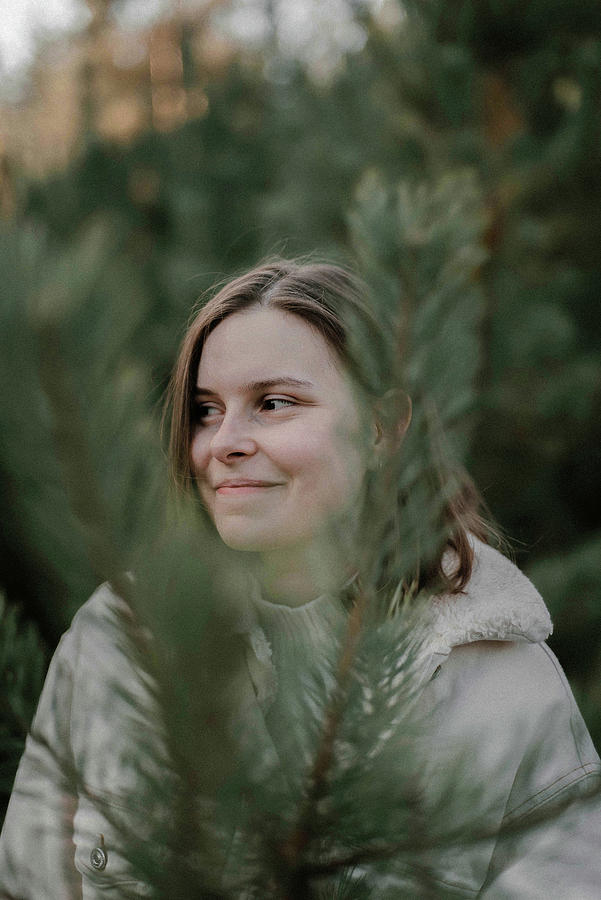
{"points": [[404, 413], [392, 419]]}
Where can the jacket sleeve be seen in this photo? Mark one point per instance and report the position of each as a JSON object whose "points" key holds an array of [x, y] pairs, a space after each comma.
{"points": [[553, 853], [549, 846], [36, 845]]}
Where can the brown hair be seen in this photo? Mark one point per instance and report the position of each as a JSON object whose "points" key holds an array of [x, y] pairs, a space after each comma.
{"points": [[335, 302]]}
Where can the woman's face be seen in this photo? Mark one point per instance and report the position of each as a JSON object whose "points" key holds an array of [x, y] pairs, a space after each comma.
{"points": [[278, 445]]}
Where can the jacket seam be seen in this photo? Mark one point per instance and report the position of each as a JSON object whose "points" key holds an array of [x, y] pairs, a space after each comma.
{"points": [[101, 798], [585, 768], [454, 885], [473, 892], [559, 674], [588, 770]]}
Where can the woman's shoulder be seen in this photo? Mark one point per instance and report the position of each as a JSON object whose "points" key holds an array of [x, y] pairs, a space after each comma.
{"points": [[499, 682], [501, 719], [507, 680], [104, 605], [102, 627]]}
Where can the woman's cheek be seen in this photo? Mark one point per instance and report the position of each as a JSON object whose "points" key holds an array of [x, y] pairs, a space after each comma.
{"points": [[199, 456]]}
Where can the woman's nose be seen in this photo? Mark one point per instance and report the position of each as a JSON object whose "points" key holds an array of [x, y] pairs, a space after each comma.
{"points": [[233, 439]]}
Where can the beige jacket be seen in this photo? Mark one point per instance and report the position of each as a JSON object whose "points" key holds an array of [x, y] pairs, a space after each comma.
{"points": [[501, 720]]}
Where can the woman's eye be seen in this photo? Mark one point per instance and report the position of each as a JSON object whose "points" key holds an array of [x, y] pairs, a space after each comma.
{"points": [[206, 411], [272, 404]]}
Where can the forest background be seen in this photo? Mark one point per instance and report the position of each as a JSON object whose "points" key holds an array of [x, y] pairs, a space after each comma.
{"points": [[450, 148]]}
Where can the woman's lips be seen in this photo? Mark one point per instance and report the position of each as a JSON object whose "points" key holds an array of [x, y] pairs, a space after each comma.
{"points": [[243, 487]]}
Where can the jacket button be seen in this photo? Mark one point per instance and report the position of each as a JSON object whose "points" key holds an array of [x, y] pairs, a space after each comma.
{"points": [[99, 856]]}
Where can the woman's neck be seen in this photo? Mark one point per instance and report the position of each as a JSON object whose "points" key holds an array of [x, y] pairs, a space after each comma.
{"points": [[293, 578]]}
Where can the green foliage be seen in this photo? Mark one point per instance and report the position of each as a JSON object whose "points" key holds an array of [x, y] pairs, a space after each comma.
{"points": [[423, 245], [571, 584], [43, 557], [70, 317], [23, 658]]}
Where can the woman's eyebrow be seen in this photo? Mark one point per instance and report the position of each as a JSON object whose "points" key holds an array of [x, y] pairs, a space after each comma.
{"points": [[263, 385]]}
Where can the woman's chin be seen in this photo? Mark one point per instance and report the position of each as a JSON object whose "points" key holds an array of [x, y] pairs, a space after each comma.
{"points": [[249, 539], [243, 544], [245, 533]]}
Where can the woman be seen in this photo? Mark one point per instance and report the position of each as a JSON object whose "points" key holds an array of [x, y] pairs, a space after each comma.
{"points": [[288, 424]]}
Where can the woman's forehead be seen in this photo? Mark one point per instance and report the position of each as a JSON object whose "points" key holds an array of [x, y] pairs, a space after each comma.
{"points": [[264, 344]]}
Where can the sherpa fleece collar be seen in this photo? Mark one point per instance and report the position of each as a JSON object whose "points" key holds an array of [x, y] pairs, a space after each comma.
{"points": [[498, 604]]}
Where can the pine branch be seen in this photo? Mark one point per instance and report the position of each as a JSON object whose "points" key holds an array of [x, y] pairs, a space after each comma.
{"points": [[73, 451], [292, 850]]}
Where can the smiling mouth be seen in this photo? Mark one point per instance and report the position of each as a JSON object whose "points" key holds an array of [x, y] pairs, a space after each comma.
{"points": [[242, 488]]}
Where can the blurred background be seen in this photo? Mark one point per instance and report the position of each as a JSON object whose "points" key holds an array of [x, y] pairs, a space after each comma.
{"points": [[450, 148]]}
